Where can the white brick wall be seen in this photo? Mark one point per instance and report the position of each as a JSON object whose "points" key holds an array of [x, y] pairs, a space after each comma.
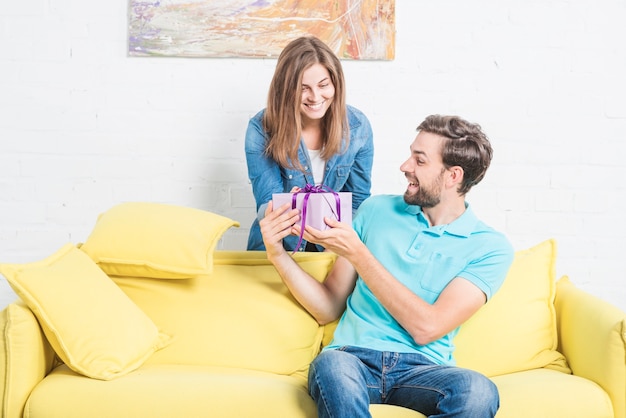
{"points": [[83, 127]]}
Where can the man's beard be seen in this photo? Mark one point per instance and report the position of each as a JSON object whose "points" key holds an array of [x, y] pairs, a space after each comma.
{"points": [[426, 198]]}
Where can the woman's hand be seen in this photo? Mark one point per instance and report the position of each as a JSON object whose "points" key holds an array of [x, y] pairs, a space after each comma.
{"points": [[276, 225]]}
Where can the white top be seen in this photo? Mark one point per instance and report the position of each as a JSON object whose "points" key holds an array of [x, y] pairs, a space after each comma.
{"points": [[317, 165]]}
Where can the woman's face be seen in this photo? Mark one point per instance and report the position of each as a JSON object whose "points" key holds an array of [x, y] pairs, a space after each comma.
{"points": [[317, 92]]}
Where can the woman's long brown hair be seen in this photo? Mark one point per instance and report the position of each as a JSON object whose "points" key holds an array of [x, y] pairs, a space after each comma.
{"points": [[282, 120]]}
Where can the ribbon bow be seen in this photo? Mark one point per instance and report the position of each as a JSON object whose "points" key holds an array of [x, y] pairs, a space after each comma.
{"points": [[308, 189]]}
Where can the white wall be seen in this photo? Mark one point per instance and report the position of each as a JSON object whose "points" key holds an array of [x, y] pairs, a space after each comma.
{"points": [[83, 127]]}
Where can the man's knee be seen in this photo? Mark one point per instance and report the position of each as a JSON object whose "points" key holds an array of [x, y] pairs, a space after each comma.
{"points": [[482, 398]]}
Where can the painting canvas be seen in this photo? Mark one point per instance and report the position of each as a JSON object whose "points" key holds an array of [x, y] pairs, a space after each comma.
{"points": [[354, 29]]}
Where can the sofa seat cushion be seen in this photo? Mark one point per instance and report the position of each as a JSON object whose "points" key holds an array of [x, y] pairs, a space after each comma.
{"points": [[172, 391], [545, 393], [198, 391], [392, 411], [166, 391]]}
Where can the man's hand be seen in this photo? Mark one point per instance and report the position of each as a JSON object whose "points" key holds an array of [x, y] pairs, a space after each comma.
{"points": [[275, 226], [340, 238]]}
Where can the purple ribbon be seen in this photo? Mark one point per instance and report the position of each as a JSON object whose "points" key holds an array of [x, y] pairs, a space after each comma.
{"points": [[308, 189]]}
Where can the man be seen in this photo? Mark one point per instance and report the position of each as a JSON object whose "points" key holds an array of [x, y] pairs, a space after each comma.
{"points": [[412, 270]]}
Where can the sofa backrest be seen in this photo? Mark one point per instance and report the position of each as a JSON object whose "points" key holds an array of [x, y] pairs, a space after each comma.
{"points": [[516, 329], [241, 315]]}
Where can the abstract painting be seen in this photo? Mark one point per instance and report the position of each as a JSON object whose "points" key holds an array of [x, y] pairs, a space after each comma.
{"points": [[354, 29]]}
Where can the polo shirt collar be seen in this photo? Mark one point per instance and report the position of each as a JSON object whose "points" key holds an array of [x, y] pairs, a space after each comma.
{"points": [[462, 226]]}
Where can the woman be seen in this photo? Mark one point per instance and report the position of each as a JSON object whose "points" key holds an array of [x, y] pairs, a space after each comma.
{"points": [[307, 134]]}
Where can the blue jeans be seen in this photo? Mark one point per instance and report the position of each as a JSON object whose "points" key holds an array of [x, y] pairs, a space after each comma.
{"points": [[345, 381]]}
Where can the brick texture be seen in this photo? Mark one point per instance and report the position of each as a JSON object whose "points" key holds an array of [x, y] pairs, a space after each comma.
{"points": [[84, 127]]}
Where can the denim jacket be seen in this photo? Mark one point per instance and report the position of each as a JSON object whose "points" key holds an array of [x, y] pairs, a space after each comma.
{"points": [[348, 171]]}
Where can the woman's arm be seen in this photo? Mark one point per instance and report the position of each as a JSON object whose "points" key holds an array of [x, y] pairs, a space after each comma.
{"points": [[359, 180], [263, 171]]}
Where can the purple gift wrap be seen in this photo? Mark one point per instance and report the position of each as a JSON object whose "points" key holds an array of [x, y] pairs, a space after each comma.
{"points": [[319, 204], [316, 203]]}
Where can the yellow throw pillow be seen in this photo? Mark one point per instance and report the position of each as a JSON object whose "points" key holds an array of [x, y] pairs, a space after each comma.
{"points": [[155, 240], [88, 320], [516, 329]]}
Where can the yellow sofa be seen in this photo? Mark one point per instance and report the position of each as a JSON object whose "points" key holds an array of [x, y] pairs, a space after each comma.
{"points": [[145, 319]]}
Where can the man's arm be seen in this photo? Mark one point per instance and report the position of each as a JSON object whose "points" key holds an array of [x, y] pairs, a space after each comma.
{"points": [[424, 322], [325, 301]]}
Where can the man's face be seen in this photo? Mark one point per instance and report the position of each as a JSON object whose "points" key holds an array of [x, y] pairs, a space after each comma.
{"points": [[425, 171]]}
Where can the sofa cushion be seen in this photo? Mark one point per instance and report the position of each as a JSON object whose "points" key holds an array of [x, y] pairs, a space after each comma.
{"points": [[548, 393], [241, 315], [144, 239], [173, 390], [199, 391], [182, 391], [91, 324], [516, 329]]}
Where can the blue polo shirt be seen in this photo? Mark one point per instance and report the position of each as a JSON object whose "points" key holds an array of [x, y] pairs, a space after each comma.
{"points": [[425, 259]]}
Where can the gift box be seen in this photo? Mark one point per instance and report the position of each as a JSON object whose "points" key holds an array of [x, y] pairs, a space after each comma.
{"points": [[315, 203]]}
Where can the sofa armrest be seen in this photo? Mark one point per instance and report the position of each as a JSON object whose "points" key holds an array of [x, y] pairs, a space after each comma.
{"points": [[26, 355], [592, 336]]}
